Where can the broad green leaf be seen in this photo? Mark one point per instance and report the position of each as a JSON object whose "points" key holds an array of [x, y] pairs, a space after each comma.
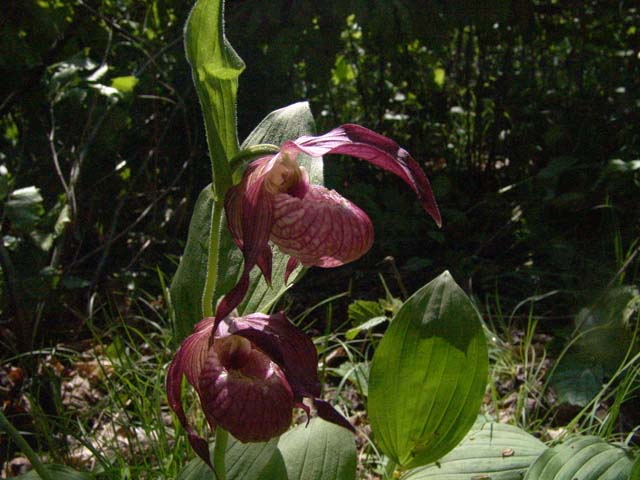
{"points": [[635, 470], [428, 375], [320, 451], [215, 67], [577, 379], [188, 283], [490, 450], [585, 458], [24, 208], [275, 469], [59, 472], [244, 461]]}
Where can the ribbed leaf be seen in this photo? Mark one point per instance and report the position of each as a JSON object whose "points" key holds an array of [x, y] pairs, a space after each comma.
{"points": [[428, 376], [244, 461], [635, 470], [188, 283], [490, 450], [584, 458], [321, 451], [59, 472]]}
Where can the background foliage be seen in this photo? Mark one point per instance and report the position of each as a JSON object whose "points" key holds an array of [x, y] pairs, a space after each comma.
{"points": [[523, 113]]}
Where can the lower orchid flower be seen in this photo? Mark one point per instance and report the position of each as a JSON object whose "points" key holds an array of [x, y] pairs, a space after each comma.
{"points": [[315, 226], [249, 376]]}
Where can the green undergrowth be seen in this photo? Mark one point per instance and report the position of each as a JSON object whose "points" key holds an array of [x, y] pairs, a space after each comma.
{"points": [[99, 405]]}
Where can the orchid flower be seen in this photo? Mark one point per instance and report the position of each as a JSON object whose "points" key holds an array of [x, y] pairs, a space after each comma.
{"points": [[315, 226], [249, 377]]}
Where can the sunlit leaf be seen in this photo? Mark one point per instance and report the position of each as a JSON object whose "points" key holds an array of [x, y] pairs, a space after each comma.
{"points": [[585, 458], [24, 208], [59, 472], [320, 451], [490, 450], [438, 76], [428, 375], [124, 85], [363, 327], [362, 311], [215, 68], [243, 461]]}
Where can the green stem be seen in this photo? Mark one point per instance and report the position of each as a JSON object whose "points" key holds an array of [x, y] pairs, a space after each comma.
{"points": [[25, 448], [212, 259], [252, 152], [222, 436]]}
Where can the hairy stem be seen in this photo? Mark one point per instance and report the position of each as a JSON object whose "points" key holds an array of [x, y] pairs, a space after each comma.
{"points": [[212, 259], [222, 436]]}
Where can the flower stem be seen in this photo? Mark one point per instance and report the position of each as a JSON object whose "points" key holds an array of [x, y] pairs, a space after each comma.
{"points": [[219, 451], [251, 153], [212, 259], [25, 448]]}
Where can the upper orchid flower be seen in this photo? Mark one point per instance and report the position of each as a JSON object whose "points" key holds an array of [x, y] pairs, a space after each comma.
{"points": [[315, 226], [249, 379]]}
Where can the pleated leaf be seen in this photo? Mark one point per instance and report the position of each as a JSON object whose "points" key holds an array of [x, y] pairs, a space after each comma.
{"points": [[582, 458], [489, 451], [59, 472], [428, 375], [244, 461], [321, 451], [188, 283]]}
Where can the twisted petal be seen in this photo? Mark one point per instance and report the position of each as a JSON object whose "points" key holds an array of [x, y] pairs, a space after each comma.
{"points": [[189, 361], [249, 209], [357, 141], [286, 345], [295, 353], [322, 229]]}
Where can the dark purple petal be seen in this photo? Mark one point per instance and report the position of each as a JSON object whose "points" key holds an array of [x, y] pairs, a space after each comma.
{"points": [[257, 220], [286, 345], [265, 262], [322, 229], [233, 297], [292, 263], [188, 361], [360, 142], [244, 391], [330, 414]]}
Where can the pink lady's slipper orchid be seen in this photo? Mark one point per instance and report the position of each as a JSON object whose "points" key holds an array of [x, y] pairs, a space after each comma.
{"points": [[314, 225], [249, 378]]}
